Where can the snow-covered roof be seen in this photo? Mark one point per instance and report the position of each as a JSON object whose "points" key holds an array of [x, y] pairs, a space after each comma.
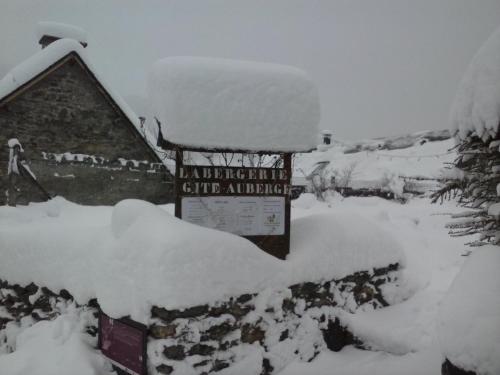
{"points": [[61, 30], [54, 52], [43, 59], [236, 105], [98, 252], [476, 109]]}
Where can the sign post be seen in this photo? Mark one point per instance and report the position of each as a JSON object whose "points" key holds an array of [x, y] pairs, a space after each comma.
{"points": [[252, 202]]}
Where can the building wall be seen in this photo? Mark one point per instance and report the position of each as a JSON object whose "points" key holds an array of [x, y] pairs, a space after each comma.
{"points": [[78, 144]]}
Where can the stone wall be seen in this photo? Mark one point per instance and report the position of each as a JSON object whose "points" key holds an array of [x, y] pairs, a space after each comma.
{"points": [[263, 331], [23, 306], [267, 330], [67, 112]]}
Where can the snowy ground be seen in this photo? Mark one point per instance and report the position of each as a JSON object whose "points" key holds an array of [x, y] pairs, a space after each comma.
{"points": [[403, 336]]}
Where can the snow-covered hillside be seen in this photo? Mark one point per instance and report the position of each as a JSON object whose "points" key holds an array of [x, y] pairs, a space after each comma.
{"points": [[385, 163]]}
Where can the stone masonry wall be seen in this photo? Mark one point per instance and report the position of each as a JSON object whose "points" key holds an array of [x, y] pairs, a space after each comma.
{"points": [[260, 332], [66, 112]]}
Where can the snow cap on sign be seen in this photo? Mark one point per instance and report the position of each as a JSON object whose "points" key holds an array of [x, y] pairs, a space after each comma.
{"points": [[236, 105], [476, 109]]}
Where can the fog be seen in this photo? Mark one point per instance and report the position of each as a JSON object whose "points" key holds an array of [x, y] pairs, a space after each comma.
{"points": [[382, 67]]}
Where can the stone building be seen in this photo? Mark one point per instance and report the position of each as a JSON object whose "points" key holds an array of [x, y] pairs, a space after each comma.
{"points": [[80, 140]]}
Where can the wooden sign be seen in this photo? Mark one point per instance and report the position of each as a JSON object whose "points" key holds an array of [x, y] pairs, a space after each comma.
{"points": [[124, 343], [252, 202]]}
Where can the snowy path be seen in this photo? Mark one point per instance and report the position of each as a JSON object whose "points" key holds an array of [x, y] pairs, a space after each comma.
{"points": [[402, 336]]}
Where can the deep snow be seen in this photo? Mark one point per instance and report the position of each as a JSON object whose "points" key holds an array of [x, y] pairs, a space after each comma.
{"points": [[138, 247], [232, 104], [403, 336], [469, 329]]}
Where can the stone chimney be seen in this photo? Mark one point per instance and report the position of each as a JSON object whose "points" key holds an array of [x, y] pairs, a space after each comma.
{"points": [[326, 136], [49, 32]]}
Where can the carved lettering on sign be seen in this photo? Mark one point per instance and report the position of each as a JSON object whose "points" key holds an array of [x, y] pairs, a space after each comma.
{"points": [[197, 181]]}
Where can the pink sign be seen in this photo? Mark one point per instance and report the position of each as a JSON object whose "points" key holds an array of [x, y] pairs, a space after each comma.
{"points": [[124, 342]]}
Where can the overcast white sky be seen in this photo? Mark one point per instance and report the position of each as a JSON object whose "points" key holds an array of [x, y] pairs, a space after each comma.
{"points": [[383, 67]]}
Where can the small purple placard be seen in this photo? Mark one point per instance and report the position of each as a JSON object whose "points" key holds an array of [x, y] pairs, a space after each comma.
{"points": [[123, 341]]}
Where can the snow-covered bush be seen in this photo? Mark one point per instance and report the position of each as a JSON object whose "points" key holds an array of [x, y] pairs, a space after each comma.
{"points": [[393, 183], [475, 118], [470, 314], [476, 189]]}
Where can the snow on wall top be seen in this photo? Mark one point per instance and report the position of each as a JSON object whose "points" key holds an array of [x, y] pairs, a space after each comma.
{"points": [[54, 52], [219, 103], [476, 109], [61, 30], [100, 252], [469, 321]]}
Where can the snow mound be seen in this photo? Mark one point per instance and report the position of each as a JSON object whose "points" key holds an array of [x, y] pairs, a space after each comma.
{"points": [[61, 30], [156, 258], [476, 108], [125, 214], [55, 347], [171, 263], [469, 326], [332, 246], [137, 255], [305, 201], [219, 103]]}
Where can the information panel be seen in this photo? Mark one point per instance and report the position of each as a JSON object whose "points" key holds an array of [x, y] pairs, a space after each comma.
{"points": [[124, 343], [241, 215]]}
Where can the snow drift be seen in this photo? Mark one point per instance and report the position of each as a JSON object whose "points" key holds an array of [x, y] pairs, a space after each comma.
{"points": [[469, 326]]}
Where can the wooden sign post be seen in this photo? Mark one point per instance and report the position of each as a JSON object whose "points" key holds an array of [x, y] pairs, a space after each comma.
{"points": [[253, 202], [235, 108]]}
